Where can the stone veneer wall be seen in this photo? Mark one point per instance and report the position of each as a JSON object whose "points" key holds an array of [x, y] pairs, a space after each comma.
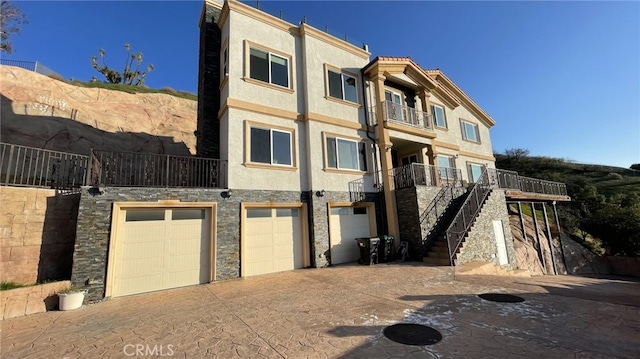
{"points": [[94, 222], [208, 132], [480, 244], [37, 234]]}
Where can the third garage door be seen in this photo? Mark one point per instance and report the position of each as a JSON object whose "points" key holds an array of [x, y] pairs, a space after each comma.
{"points": [[346, 224], [272, 240]]}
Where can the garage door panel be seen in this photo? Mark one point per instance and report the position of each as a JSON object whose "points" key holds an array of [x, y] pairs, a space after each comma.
{"points": [[272, 244], [345, 227], [161, 254]]}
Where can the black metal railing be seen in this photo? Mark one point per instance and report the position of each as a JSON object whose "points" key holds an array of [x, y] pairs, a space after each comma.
{"points": [[358, 187], [511, 180], [36, 167], [535, 185], [418, 174], [127, 169], [467, 214], [437, 208]]}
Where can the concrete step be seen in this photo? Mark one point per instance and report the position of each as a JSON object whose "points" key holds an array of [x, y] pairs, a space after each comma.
{"points": [[436, 261], [444, 255], [439, 250]]}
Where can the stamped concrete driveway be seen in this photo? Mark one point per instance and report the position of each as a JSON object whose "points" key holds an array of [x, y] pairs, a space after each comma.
{"points": [[341, 312]]}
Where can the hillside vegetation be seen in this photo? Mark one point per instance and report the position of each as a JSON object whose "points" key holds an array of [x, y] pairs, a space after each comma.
{"points": [[605, 199]]}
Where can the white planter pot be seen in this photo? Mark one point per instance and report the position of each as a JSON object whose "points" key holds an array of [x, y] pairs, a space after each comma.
{"points": [[70, 301]]}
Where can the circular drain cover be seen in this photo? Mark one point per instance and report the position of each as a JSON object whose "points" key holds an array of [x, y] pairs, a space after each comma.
{"points": [[412, 334], [502, 298]]}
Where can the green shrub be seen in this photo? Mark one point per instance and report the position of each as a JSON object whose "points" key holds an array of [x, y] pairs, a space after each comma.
{"points": [[11, 285], [614, 176]]}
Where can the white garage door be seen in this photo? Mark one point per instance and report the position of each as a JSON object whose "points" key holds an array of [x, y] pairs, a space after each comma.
{"points": [[272, 240], [346, 224], [162, 248]]}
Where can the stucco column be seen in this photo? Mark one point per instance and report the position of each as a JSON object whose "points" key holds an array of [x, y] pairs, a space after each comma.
{"points": [[424, 100], [386, 162]]}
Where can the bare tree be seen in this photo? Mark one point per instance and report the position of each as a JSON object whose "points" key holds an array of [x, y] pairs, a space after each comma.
{"points": [[10, 20]]}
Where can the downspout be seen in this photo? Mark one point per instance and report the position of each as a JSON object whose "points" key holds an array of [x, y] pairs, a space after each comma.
{"points": [[373, 140]]}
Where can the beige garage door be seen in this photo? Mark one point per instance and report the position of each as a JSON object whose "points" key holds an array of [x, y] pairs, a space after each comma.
{"points": [[345, 225], [162, 248], [272, 240]]}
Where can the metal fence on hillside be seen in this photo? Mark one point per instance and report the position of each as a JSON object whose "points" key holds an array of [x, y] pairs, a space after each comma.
{"points": [[36, 167]]}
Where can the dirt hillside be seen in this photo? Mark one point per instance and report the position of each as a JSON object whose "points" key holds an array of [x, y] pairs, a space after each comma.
{"points": [[42, 112]]}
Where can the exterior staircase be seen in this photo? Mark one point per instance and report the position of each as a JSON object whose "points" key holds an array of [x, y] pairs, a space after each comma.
{"points": [[436, 250], [437, 253], [447, 237]]}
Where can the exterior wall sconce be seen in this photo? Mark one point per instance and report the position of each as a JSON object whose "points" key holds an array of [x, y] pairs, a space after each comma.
{"points": [[320, 193], [227, 194]]}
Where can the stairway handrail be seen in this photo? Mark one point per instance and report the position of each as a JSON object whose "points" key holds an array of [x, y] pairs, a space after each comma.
{"points": [[461, 224]]}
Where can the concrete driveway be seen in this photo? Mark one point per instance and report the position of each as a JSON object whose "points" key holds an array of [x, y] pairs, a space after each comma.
{"points": [[341, 312]]}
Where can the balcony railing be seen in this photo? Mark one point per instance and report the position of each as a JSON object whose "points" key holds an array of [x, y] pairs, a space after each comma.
{"points": [[149, 170], [403, 115], [36, 167], [511, 180], [418, 174]]}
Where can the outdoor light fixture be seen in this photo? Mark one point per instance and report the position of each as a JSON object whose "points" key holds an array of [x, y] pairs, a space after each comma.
{"points": [[320, 193], [227, 194]]}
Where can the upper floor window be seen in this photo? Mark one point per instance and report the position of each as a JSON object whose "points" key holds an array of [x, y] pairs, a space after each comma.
{"points": [[271, 146], [346, 154], [439, 119], [225, 62], [470, 131], [268, 67], [342, 86]]}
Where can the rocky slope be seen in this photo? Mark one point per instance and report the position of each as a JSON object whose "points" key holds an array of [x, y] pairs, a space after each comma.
{"points": [[42, 112]]}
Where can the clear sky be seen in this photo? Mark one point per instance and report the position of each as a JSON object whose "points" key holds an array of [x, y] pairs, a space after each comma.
{"points": [[561, 79]]}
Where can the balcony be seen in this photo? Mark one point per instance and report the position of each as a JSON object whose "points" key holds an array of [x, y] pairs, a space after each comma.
{"points": [[527, 188], [418, 174], [403, 115]]}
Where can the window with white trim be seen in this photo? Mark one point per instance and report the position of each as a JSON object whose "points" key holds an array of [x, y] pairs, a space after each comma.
{"points": [[271, 146], [268, 67], [342, 86], [446, 166], [470, 131], [346, 154], [439, 119]]}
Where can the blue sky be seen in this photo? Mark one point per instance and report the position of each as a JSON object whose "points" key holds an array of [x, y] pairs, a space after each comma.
{"points": [[561, 79]]}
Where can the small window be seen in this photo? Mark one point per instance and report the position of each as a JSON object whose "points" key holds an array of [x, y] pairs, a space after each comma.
{"points": [[340, 211], [438, 116], [138, 215], [259, 213], [187, 213], [271, 146], [475, 171], [470, 131], [225, 62], [342, 86], [268, 67], [359, 210], [446, 166], [286, 212], [346, 154]]}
